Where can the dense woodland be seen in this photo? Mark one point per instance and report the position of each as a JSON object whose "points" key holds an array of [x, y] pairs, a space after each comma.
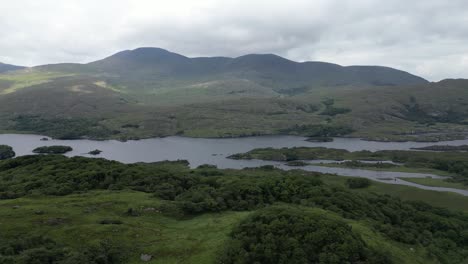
{"points": [[189, 192]]}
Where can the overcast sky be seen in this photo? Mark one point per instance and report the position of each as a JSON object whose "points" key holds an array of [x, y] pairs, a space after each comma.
{"points": [[425, 37]]}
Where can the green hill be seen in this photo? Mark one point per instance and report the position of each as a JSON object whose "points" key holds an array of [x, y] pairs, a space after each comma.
{"points": [[87, 210], [8, 67], [155, 67], [153, 92]]}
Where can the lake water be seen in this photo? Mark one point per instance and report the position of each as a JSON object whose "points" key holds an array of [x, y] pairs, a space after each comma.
{"points": [[214, 151]]}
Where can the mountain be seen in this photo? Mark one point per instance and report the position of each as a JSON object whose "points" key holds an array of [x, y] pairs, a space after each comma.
{"points": [[265, 69], [150, 92], [7, 67]]}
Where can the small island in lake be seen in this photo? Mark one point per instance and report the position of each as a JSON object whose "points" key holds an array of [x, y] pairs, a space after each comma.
{"points": [[52, 150], [6, 152], [444, 148], [320, 139], [95, 152], [296, 163]]}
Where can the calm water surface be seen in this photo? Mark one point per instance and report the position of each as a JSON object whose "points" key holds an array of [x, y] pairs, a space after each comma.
{"points": [[214, 151]]}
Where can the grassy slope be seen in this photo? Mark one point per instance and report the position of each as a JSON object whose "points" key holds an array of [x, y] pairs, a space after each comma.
{"points": [[195, 240], [189, 241], [439, 199], [224, 106], [174, 240]]}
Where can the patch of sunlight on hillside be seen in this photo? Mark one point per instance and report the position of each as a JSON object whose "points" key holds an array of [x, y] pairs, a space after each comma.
{"points": [[103, 84], [28, 78]]}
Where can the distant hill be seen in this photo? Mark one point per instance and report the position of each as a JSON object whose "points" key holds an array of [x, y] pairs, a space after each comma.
{"points": [[264, 69], [7, 67], [154, 92]]}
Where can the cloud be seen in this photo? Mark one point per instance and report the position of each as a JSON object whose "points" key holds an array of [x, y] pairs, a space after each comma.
{"points": [[428, 38]]}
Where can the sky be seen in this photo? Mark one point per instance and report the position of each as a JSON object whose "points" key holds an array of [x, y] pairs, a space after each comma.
{"points": [[428, 38]]}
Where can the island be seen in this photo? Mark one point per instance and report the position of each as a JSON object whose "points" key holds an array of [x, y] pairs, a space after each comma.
{"points": [[320, 139], [52, 150], [444, 148], [95, 152]]}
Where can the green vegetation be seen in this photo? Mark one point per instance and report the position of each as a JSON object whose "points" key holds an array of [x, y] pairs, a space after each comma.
{"points": [[27, 78], [296, 163], [319, 131], [444, 148], [6, 152], [52, 150], [8, 67], [356, 183], [453, 164], [448, 183], [320, 139], [287, 234], [61, 128], [79, 210], [159, 93], [331, 110], [384, 166], [295, 153], [95, 152], [177, 214]]}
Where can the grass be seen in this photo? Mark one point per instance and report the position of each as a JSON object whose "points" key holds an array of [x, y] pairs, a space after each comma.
{"points": [[169, 240], [447, 200], [75, 220], [439, 199], [117, 89], [194, 240], [226, 107], [437, 183], [392, 169], [27, 78], [399, 252]]}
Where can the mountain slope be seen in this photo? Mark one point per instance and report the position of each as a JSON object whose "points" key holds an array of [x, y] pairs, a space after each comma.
{"points": [[153, 92], [7, 67], [160, 66]]}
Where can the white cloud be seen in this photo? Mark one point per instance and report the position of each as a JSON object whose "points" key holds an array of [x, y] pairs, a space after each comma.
{"points": [[425, 37]]}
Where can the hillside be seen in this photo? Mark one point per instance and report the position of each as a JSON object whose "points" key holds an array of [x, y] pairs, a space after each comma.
{"points": [[86, 210], [153, 92], [157, 67], [7, 67]]}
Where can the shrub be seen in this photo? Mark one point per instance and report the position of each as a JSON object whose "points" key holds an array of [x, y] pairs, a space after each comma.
{"points": [[356, 183], [283, 234]]}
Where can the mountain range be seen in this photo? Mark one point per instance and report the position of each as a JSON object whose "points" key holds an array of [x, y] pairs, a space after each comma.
{"points": [[156, 66], [154, 92]]}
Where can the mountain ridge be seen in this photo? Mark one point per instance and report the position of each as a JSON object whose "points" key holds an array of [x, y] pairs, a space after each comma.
{"points": [[9, 67], [245, 62]]}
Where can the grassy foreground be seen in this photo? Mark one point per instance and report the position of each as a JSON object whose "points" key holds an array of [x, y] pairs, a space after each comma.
{"points": [[81, 210], [74, 220]]}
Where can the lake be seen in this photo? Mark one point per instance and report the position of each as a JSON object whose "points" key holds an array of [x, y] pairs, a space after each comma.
{"points": [[200, 151]]}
